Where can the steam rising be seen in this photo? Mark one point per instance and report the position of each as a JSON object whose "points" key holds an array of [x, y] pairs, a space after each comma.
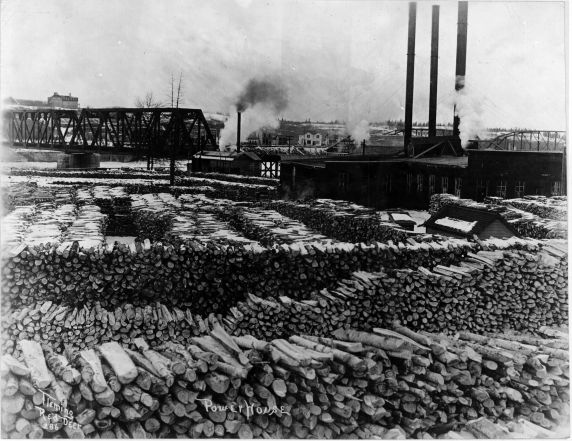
{"points": [[358, 131], [470, 111], [260, 102]]}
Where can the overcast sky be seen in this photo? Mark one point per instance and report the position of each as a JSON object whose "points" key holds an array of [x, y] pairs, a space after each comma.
{"points": [[338, 59]]}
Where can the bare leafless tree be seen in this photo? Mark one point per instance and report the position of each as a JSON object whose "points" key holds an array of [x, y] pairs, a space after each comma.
{"points": [[148, 102], [176, 90]]}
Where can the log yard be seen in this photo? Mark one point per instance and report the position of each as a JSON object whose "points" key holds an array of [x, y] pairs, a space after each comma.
{"points": [[168, 272]]}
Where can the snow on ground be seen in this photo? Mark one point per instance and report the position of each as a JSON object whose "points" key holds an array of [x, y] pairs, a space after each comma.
{"points": [[456, 224], [180, 165], [419, 216]]}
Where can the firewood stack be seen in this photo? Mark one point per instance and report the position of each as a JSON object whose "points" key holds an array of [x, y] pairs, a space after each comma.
{"points": [[269, 227], [237, 178], [233, 190], [345, 226], [90, 325], [488, 292], [205, 277], [389, 383], [525, 223], [152, 216], [549, 208]]}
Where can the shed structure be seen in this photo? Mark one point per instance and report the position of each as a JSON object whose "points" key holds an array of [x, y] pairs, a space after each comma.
{"points": [[467, 222]]}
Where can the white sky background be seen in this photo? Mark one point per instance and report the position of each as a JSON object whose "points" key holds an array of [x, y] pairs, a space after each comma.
{"points": [[339, 59]]}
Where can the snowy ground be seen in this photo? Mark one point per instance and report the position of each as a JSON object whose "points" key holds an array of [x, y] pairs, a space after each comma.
{"points": [[419, 216], [5, 166]]}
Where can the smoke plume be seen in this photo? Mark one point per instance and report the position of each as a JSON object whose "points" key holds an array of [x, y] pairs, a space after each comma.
{"points": [[470, 111], [269, 92], [260, 116], [260, 102], [358, 130]]}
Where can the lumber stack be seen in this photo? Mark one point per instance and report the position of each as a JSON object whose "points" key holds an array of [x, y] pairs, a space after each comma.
{"points": [[488, 292], [343, 225], [91, 325], [389, 383]]}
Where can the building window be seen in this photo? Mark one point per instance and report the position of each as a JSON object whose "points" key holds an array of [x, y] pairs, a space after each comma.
{"points": [[444, 184], [431, 184], [409, 179], [519, 189], [458, 185], [482, 188], [308, 136], [419, 183], [386, 184], [343, 181], [557, 188], [501, 189]]}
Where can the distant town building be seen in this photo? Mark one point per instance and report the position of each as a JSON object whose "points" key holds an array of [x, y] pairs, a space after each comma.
{"points": [[63, 101], [313, 139]]}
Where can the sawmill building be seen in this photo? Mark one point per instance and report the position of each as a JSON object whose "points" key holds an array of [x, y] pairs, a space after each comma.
{"points": [[381, 183]]}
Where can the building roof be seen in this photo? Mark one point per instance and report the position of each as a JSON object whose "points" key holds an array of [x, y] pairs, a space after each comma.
{"points": [[456, 161], [465, 221], [226, 156]]}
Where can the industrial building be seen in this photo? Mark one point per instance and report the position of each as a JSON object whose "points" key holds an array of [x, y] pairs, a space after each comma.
{"points": [[409, 183], [63, 101], [436, 163]]}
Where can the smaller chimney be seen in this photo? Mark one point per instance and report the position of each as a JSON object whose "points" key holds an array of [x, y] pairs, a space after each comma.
{"points": [[238, 133]]}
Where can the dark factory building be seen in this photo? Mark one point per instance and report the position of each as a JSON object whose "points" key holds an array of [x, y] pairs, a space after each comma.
{"points": [[466, 222], [409, 183], [244, 163]]}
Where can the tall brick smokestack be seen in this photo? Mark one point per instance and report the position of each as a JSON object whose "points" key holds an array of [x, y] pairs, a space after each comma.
{"points": [[434, 71], [410, 74], [461, 56], [238, 133]]}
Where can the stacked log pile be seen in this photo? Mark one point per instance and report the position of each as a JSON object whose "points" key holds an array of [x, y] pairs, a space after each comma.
{"points": [[237, 178], [201, 220], [130, 173], [15, 225], [489, 292], [87, 229], [90, 325], [525, 223], [549, 208], [115, 203], [345, 226], [270, 227], [390, 383], [153, 214], [206, 277]]}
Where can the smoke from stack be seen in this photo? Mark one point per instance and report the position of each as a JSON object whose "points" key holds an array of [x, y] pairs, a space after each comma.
{"points": [[260, 104], [358, 130]]}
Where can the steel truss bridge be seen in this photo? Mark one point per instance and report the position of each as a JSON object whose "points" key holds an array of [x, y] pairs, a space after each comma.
{"points": [[152, 132], [530, 140]]}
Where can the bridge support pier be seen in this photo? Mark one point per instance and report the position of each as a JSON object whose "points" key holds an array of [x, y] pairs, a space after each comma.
{"points": [[78, 160]]}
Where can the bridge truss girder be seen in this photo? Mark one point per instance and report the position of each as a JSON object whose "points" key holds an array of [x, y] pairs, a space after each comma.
{"points": [[156, 132]]}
